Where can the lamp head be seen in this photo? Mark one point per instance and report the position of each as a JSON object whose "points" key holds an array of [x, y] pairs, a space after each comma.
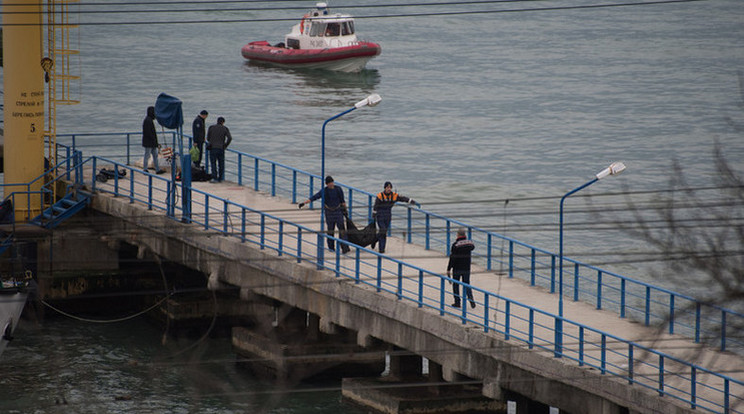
{"points": [[614, 169], [371, 100]]}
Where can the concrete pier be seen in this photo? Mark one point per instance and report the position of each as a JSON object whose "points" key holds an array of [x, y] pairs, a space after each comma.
{"points": [[459, 352]]}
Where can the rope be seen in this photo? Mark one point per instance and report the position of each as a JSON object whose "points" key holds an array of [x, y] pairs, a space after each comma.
{"points": [[105, 321]]}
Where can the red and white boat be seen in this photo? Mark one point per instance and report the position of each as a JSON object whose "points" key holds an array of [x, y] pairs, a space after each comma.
{"points": [[320, 41]]}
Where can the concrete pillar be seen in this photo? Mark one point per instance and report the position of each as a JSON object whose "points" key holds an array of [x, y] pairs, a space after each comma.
{"points": [[313, 327], [435, 377], [404, 365], [24, 112]]}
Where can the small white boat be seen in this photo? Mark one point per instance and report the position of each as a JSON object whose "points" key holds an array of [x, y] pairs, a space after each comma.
{"points": [[320, 41], [12, 300]]}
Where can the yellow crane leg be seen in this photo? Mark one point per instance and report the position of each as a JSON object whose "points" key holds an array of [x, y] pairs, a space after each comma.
{"points": [[24, 104]]}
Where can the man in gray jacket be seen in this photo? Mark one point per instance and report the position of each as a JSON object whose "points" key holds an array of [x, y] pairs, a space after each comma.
{"points": [[218, 138]]}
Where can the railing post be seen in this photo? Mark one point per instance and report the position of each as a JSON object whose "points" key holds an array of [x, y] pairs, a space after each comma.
{"points": [[206, 209], [599, 289], [131, 185], [486, 308], [255, 175], [379, 273], [531, 342], [603, 364], [511, 259], [723, 329], [410, 222], [350, 204], [93, 180], [507, 313], [697, 322], [225, 216], [273, 179], [310, 192], [240, 168], [357, 265], [552, 273], [294, 186], [488, 257], [581, 346], [576, 282], [281, 237], [299, 244], [263, 231], [149, 192], [558, 329], [421, 289], [448, 229], [661, 375], [532, 268], [693, 387], [242, 226], [630, 363], [648, 305], [428, 231], [129, 161], [441, 295], [671, 314], [400, 280]]}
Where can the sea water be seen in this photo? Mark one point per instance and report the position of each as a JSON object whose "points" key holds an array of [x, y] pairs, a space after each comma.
{"points": [[487, 117]]}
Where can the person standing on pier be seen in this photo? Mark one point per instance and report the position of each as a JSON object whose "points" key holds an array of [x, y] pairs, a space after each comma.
{"points": [[150, 140], [218, 139], [198, 129], [459, 264], [382, 209], [334, 210]]}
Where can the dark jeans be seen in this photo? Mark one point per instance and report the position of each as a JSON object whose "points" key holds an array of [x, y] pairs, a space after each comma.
{"points": [[383, 223], [217, 155], [200, 146], [464, 277], [336, 219]]}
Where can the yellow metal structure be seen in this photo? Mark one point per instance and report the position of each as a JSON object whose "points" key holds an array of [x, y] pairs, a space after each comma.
{"points": [[58, 67], [23, 98]]}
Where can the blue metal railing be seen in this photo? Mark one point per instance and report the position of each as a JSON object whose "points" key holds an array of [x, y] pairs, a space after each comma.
{"points": [[609, 354], [627, 297]]}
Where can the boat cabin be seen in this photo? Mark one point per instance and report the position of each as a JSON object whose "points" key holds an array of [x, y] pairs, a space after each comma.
{"points": [[320, 29]]}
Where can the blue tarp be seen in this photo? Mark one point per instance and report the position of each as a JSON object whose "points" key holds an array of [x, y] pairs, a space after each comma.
{"points": [[168, 111]]}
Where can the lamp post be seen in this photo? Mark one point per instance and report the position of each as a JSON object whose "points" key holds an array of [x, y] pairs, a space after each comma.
{"points": [[370, 100], [614, 169]]}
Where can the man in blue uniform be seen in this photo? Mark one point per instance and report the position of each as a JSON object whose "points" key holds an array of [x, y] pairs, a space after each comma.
{"points": [[334, 209], [459, 263], [198, 130], [384, 203]]}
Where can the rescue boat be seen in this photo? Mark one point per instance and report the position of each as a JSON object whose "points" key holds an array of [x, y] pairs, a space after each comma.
{"points": [[320, 40]]}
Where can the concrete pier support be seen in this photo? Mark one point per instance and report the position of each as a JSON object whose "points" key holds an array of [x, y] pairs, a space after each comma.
{"points": [[300, 346]]}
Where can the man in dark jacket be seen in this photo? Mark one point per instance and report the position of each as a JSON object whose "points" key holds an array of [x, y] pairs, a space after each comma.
{"points": [[384, 203], [198, 130], [150, 140], [218, 139], [334, 209], [459, 263]]}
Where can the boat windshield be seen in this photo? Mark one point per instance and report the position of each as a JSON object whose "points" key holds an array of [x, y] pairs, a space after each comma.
{"points": [[332, 29]]}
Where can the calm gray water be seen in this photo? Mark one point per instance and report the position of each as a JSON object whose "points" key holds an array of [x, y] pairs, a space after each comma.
{"points": [[476, 109]]}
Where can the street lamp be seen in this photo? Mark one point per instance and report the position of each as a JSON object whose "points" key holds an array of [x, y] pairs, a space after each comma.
{"points": [[371, 100], [614, 169]]}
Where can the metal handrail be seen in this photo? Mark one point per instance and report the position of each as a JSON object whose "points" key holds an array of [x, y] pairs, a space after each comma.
{"points": [[586, 346], [607, 290]]}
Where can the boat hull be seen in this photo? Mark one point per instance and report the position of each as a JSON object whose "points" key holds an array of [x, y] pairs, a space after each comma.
{"points": [[342, 59], [11, 306]]}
